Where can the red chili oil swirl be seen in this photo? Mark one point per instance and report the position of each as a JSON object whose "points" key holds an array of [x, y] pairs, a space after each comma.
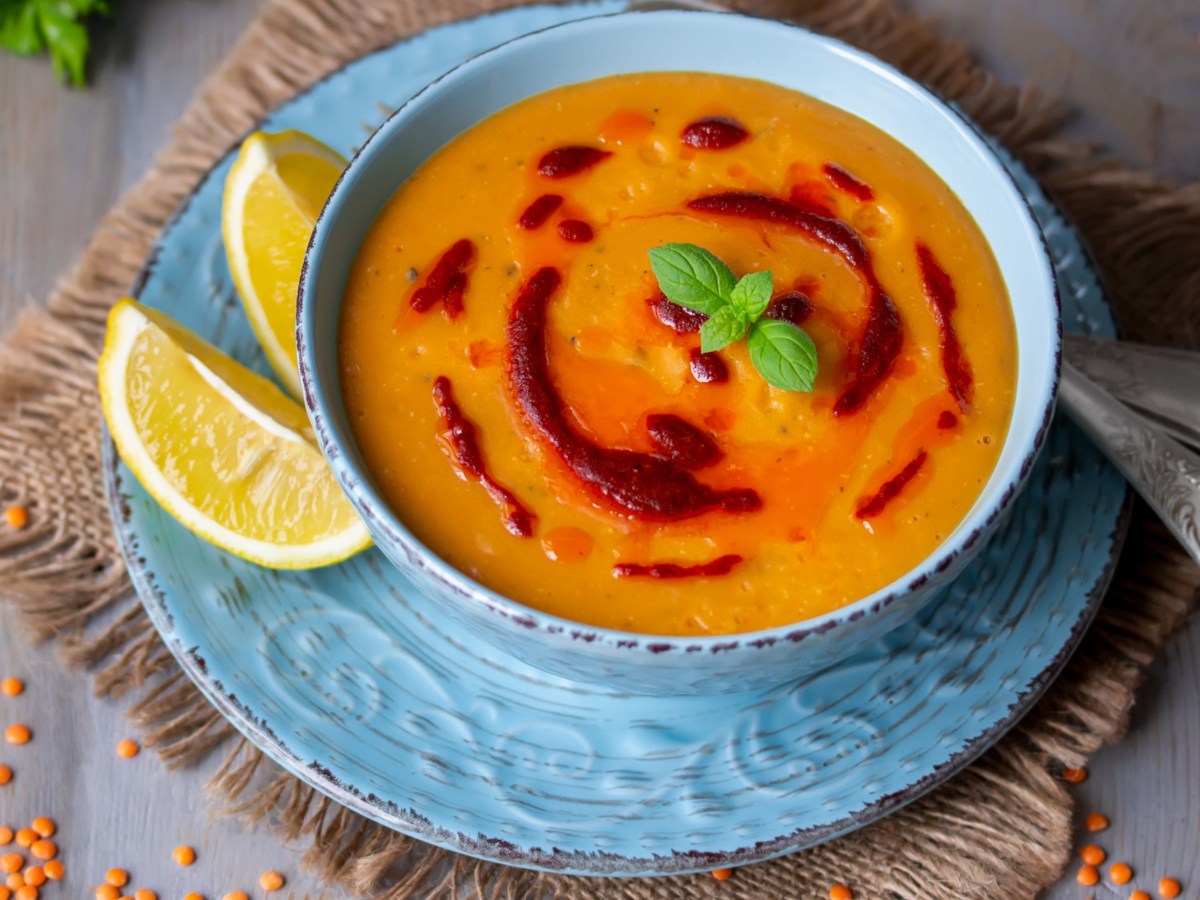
{"points": [[680, 441], [847, 183], [638, 484], [882, 336], [891, 489], [446, 281], [939, 291], [562, 162], [722, 565], [537, 212], [678, 318], [575, 231], [714, 133], [460, 441], [708, 368], [792, 307], [947, 420], [813, 197]]}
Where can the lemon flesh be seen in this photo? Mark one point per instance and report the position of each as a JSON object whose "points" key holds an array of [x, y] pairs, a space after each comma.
{"points": [[221, 448], [273, 195]]}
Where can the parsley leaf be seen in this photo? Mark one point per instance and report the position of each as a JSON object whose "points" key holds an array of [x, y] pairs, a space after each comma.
{"points": [[30, 26]]}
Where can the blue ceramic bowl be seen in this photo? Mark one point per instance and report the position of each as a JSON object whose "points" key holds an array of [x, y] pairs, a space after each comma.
{"points": [[679, 41]]}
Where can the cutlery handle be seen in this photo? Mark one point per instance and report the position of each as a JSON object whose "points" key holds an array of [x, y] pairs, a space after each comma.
{"points": [[1163, 471], [652, 5], [1161, 384]]}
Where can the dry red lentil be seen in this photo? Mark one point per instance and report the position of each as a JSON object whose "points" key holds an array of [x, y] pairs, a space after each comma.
{"points": [[270, 881], [6, 835], [1096, 822], [16, 516], [11, 862], [1093, 855], [27, 892], [127, 748], [1088, 875], [1120, 873], [1169, 888], [184, 855], [15, 881], [192, 896], [5, 778], [11, 687], [722, 874], [54, 870], [117, 877], [35, 875], [44, 849], [17, 734], [236, 895], [43, 826], [107, 892], [1139, 895], [5, 893], [1075, 776], [840, 892], [144, 894], [26, 837]]}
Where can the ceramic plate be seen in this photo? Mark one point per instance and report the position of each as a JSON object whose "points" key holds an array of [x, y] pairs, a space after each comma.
{"points": [[348, 678]]}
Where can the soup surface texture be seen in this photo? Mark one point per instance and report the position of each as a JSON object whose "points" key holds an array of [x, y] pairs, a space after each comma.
{"points": [[541, 416]]}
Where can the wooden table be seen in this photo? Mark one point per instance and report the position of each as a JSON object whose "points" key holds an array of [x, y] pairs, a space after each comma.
{"points": [[1133, 69]]}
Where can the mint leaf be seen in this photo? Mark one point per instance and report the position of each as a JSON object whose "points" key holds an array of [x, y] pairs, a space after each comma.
{"points": [[723, 327], [783, 354], [29, 26], [67, 41], [692, 277], [19, 32], [752, 294]]}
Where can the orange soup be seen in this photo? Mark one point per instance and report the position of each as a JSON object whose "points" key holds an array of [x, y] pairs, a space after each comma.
{"points": [[541, 416]]}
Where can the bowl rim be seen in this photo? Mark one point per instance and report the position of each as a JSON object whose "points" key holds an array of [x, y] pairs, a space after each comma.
{"points": [[378, 515]]}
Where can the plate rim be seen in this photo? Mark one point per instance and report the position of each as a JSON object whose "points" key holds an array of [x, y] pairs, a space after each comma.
{"points": [[596, 862]]}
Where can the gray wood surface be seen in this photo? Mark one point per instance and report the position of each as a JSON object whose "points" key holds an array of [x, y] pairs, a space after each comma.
{"points": [[1133, 70]]}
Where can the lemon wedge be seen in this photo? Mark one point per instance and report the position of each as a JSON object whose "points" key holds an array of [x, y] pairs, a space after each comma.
{"points": [[221, 448], [273, 195]]}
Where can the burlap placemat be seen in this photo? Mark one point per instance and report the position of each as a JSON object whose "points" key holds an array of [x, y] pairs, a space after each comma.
{"points": [[999, 830]]}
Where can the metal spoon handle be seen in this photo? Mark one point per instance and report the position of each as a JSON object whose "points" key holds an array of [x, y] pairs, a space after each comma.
{"points": [[1161, 384], [1163, 471], [652, 5]]}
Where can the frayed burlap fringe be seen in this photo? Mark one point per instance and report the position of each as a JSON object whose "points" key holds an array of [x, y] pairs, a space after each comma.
{"points": [[1000, 829]]}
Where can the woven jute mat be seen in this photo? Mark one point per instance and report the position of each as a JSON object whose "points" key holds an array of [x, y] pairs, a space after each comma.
{"points": [[998, 831]]}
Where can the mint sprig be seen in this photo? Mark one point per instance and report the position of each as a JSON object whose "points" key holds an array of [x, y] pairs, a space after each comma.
{"points": [[694, 278], [60, 26]]}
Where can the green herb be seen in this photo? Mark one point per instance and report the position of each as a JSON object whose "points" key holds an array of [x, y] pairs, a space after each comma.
{"points": [[30, 26], [692, 277]]}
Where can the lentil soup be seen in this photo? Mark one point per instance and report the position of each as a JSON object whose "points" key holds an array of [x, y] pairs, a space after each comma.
{"points": [[540, 416]]}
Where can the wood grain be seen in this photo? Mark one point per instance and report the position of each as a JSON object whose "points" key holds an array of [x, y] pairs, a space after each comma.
{"points": [[66, 156], [1133, 70]]}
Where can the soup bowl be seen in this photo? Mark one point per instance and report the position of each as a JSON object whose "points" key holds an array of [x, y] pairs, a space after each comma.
{"points": [[726, 44]]}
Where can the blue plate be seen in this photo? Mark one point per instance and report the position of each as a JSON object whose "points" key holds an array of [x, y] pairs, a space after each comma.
{"points": [[348, 677]]}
